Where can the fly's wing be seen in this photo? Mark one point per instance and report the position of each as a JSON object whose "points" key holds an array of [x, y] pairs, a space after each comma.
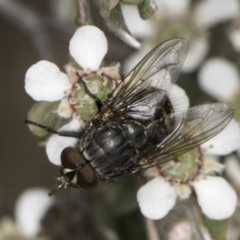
{"points": [[159, 69], [198, 125]]}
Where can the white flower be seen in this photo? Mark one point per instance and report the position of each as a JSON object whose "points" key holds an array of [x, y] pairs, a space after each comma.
{"points": [[219, 78], [226, 142], [156, 198], [211, 12], [233, 169], [216, 197], [180, 19], [31, 206], [57, 143], [88, 47], [215, 189], [45, 82], [234, 36]]}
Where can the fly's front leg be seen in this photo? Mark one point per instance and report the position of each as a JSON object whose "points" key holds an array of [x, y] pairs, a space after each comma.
{"points": [[97, 100], [76, 134]]}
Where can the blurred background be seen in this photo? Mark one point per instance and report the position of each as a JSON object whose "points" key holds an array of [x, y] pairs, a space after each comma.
{"points": [[41, 29]]}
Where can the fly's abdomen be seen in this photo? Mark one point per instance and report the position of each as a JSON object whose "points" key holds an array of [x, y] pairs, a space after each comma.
{"points": [[113, 148]]}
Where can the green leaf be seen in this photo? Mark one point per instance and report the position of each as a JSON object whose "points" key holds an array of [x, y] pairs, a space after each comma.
{"points": [[217, 229], [116, 23], [107, 6], [147, 8], [44, 113]]}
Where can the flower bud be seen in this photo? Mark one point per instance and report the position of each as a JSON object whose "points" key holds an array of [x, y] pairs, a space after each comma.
{"points": [[46, 114]]}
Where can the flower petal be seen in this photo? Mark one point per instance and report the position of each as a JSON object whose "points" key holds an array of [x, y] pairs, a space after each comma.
{"points": [[227, 141], [179, 99], [45, 82], [30, 208], [210, 166], [219, 78], [233, 169], [88, 47], [206, 14], [65, 110], [234, 36], [216, 197], [57, 143], [156, 198]]}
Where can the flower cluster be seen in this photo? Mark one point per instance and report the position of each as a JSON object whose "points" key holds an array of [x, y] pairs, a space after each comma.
{"points": [[218, 77], [30, 208], [45, 82], [183, 18], [195, 169]]}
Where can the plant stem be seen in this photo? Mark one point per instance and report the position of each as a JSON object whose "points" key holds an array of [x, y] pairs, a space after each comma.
{"points": [[83, 13], [151, 230]]}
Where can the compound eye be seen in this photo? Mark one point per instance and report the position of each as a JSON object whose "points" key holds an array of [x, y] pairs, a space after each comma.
{"points": [[71, 158], [86, 175]]}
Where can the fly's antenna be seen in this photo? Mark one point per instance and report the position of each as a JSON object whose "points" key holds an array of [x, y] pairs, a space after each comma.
{"points": [[48, 129], [52, 130]]}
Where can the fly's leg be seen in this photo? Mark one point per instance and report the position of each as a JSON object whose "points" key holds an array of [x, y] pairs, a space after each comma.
{"points": [[97, 100], [76, 134]]}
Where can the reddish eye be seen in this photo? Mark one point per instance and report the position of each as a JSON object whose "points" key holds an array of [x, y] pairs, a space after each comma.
{"points": [[71, 158], [86, 175]]}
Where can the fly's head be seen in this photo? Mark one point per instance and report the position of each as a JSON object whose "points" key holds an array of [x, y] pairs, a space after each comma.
{"points": [[75, 172]]}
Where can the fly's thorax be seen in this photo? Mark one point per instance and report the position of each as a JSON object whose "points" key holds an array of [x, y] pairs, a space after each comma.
{"points": [[135, 132], [104, 115]]}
